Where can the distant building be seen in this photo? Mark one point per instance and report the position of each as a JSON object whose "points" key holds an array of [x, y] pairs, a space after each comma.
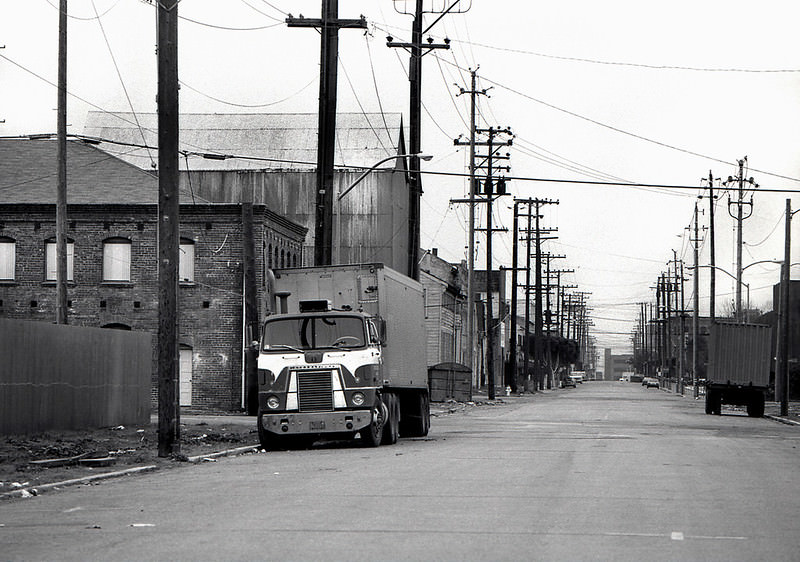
{"points": [[445, 309], [112, 264], [616, 365], [274, 156]]}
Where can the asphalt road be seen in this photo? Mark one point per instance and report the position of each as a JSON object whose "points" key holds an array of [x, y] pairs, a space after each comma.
{"points": [[607, 471]]}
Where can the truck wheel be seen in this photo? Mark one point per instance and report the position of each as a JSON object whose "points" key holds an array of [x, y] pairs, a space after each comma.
{"points": [[755, 406], [372, 434], [417, 421], [391, 428]]}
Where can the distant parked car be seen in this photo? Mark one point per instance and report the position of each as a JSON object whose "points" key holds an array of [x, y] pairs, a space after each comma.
{"points": [[648, 382], [567, 381], [577, 378]]}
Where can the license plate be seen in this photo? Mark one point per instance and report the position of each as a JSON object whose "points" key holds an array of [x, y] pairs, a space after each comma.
{"points": [[316, 425]]}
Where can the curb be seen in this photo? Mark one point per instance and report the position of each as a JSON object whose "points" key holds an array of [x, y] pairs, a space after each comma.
{"points": [[781, 420], [36, 490], [227, 453]]}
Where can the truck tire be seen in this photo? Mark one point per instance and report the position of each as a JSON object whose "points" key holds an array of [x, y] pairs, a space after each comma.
{"points": [[391, 427], [417, 420], [709, 403], [755, 406], [713, 402], [372, 435]]}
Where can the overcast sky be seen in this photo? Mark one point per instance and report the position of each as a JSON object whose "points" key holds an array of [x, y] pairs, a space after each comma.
{"points": [[643, 92]]}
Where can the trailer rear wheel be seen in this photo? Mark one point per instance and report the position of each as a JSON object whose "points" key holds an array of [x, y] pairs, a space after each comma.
{"points": [[710, 402], [755, 406], [417, 419]]}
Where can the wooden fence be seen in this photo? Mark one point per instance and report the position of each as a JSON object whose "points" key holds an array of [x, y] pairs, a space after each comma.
{"points": [[72, 377]]}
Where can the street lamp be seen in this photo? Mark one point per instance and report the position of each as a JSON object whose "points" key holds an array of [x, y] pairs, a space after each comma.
{"points": [[732, 276], [358, 180]]}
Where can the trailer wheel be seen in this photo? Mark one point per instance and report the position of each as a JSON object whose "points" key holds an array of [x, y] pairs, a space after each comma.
{"points": [[391, 428], [755, 406], [372, 434], [713, 402], [417, 420]]}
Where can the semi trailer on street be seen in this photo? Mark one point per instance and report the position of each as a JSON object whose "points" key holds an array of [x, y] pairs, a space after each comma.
{"points": [[739, 360], [344, 356]]}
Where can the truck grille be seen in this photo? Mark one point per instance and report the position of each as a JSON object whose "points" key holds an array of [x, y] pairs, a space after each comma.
{"points": [[314, 391]]}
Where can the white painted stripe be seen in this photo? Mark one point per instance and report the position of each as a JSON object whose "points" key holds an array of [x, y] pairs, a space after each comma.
{"points": [[676, 536]]}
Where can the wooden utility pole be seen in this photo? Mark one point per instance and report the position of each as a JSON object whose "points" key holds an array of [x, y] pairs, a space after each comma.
{"points": [[696, 304], [168, 228], [61, 157], [473, 92], [713, 295], [329, 25], [250, 292], [512, 341], [417, 51], [782, 368]]}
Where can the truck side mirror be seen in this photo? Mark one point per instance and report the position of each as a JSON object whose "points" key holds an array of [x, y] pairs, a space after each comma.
{"points": [[381, 325]]}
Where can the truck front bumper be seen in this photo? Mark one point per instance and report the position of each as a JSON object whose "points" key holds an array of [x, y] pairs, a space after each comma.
{"points": [[322, 422]]}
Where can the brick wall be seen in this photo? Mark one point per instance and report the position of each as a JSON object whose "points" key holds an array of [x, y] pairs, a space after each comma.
{"points": [[210, 308]]}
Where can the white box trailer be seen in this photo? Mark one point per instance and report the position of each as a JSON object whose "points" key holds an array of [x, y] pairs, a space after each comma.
{"points": [[739, 361], [346, 355]]}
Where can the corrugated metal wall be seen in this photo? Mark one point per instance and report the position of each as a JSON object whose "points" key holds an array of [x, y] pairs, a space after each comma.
{"points": [[71, 377]]}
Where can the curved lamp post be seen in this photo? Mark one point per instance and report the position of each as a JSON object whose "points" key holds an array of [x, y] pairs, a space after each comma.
{"points": [[349, 188]]}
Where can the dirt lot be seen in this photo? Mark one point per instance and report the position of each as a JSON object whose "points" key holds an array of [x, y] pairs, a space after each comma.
{"points": [[120, 448], [114, 449]]}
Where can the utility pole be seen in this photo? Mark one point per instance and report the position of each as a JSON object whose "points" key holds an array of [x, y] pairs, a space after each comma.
{"points": [[61, 157], [713, 295], [512, 344], [473, 92], [740, 217], [491, 186], [417, 50], [696, 304], [168, 228], [782, 368], [329, 25]]}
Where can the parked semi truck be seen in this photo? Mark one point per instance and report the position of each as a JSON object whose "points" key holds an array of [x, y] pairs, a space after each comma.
{"points": [[345, 356], [739, 359]]}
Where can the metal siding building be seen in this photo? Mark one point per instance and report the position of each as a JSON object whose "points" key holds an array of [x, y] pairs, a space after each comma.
{"points": [[274, 157]]}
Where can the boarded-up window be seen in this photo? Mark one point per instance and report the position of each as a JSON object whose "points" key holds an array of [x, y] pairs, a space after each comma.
{"points": [[185, 375], [7, 258], [116, 259], [186, 264], [50, 256]]}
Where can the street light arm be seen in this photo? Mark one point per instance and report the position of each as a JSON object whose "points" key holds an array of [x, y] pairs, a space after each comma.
{"points": [[366, 172]]}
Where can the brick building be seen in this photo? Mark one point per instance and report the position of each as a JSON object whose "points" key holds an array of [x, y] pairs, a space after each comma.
{"points": [[112, 269]]}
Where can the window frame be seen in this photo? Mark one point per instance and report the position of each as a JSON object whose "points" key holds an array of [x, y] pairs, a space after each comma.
{"points": [[51, 243], [116, 241], [8, 258]]}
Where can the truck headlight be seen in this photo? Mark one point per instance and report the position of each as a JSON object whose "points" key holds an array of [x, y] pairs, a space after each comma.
{"points": [[358, 398], [272, 402]]}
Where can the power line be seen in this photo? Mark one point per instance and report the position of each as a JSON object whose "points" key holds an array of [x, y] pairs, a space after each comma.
{"points": [[623, 131]]}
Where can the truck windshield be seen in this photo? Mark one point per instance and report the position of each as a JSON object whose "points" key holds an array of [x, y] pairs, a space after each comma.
{"points": [[314, 332]]}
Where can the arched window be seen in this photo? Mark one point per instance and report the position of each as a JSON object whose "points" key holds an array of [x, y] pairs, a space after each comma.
{"points": [[50, 256], [116, 259], [7, 258], [294, 260], [186, 264], [283, 259]]}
